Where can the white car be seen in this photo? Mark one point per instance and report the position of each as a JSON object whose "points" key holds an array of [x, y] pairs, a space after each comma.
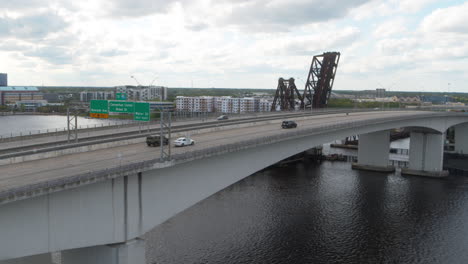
{"points": [[183, 141]]}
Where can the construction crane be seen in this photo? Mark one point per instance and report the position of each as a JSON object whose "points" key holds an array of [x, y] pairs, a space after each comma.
{"points": [[317, 88]]}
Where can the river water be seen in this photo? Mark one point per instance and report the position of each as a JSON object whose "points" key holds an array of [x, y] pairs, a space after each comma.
{"points": [[313, 213], [15, 124], [321, 213]]}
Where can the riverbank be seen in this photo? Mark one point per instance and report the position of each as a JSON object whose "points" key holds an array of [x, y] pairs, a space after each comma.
{"points": [[30, 113]]}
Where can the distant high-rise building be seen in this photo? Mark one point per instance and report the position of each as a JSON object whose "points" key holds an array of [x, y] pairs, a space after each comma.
{"points": [[380, 92], [3, 79]]}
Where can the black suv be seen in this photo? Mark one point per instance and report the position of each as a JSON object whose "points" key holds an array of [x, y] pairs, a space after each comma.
{"points": [[155, 141], [289, 124]]}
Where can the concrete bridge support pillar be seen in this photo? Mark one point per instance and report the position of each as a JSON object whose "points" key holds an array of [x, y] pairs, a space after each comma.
{"points": [[373, 152], [36, 259], [461, 139], [426, 155], [131, 252]]}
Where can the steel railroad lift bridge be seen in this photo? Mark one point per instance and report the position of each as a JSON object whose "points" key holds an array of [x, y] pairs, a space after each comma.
{"points": [[317, 88]]}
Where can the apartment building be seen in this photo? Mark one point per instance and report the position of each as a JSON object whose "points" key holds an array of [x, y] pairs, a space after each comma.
{"points": [[88, 96], [265, 105], [143, 93], [224, 104], [195, 104]]}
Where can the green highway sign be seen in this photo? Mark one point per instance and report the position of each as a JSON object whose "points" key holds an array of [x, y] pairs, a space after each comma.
{"points": [[121, 96], [121, 107], [99, 107], [142, 112]]}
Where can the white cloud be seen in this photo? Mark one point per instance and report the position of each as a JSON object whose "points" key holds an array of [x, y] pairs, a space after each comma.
{"points": [[372, 9], [411, 6], [283, 14], [447, 20], [396, 26], [230, 43], [34, 26], [397, 46]]}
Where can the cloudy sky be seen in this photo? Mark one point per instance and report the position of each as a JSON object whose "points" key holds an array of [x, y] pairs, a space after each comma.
{"points": [[409, 45]]}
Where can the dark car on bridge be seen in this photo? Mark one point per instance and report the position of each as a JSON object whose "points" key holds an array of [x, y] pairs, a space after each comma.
{"points": [[155, 140], [289, 124]]}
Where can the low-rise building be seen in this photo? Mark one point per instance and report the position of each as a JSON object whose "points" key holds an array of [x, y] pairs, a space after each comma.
{"points": [[12, 94], [161, 106], [30, 105], [409, 100], [87, 96], [436, 99]]}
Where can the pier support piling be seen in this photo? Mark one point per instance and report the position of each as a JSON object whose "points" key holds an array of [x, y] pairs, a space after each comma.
{"points": [[426, 155], [373, 152], [131, 252], [461, 139]]}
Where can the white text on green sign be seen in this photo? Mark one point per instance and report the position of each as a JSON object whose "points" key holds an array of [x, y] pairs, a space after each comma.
{"points": [[99, 107], [121, 107], [142, 112], [121, 96]]}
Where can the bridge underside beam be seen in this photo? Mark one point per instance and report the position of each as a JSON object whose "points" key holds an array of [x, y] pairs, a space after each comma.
{"points": [[426, 155], [373, 152], [461, 139], [132, 252]]}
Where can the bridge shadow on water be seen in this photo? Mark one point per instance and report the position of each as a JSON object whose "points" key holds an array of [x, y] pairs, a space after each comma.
{"points": [[321, 213]]}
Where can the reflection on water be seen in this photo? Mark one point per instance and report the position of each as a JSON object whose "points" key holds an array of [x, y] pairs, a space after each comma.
{"points": [[325, 213], [25, 123]]}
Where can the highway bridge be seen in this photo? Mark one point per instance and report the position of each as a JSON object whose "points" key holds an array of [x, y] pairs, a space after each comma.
{"points": [[94, 199]]}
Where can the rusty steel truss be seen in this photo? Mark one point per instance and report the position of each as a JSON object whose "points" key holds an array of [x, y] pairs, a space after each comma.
{"points": [[285, 95], [317, 88], [320, 80]]}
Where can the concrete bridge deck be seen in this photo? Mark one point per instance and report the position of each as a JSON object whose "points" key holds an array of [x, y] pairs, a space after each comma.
{"points": [[37, 141], [53, 205], [33, 172]]}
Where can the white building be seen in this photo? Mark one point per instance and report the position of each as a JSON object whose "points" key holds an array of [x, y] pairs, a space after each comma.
{"points": [[143, 93], [224, 104], [30, 105], [228, 104], [265, 105], [249, 104], [88, 96], [195, 104]]}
